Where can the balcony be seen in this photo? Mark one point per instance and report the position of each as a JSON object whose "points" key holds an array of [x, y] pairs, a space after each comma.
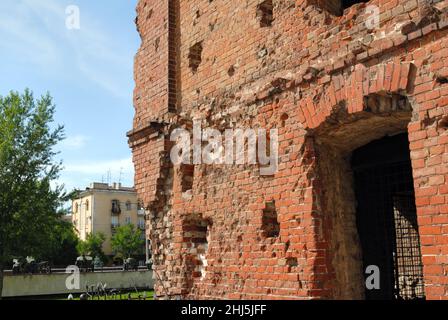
{"points": [[115, 207], [141, 212]]}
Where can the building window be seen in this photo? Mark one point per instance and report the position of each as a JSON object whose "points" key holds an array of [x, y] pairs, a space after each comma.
{"points": [[76, 207], [115, 222], [128, 220], [128, 205], [141, 223], [116, 206], [141, 208], [87, 205]]}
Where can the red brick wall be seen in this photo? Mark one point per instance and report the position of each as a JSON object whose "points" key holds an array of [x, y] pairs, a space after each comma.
{"points": [[294, 76], [151, 62]]}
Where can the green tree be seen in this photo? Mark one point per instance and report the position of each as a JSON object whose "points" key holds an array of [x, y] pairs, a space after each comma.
{"points": [[93, 245], [29, 203], [127, 241], [62, 240], [62, 249]]}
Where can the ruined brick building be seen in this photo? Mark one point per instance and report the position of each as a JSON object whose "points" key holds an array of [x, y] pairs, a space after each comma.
{"points": [[361, 107]]}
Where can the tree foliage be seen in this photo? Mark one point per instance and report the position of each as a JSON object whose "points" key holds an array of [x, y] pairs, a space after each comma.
{"points": [[93, 245], [127, 241], [62, 249], [29, 202]]}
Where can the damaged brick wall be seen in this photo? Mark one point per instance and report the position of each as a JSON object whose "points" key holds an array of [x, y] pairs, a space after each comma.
{"points": [[322, 79]]}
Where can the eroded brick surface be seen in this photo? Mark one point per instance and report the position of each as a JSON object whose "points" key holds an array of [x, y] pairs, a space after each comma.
{"points": [[329, 84]]}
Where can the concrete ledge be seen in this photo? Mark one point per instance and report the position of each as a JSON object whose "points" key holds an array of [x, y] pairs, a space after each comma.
{"points": [[42, 284]]}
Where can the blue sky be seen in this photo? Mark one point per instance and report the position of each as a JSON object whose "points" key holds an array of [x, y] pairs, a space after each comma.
{"points": [[88, 71]]}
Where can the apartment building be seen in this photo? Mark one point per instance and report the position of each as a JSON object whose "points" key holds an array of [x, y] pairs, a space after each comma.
{"points": [[103, 208]]}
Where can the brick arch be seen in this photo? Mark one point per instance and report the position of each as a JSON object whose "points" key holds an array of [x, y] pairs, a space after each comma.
{"points": [[392, 78]]}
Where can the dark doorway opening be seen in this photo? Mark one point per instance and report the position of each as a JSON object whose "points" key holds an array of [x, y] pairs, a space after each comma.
{"points": [[348, 3], [386, 217]]}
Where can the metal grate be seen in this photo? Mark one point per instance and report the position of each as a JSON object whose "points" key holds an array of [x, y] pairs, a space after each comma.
{"points": [[388, 230], [407, 257]]}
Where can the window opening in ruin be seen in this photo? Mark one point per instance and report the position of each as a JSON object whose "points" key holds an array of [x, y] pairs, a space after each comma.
{"points": [[270, 224], [195, 56], [442, 80], [387, 219], [187, 171], [348, 3], [265, 13], [337, 7], [197, 233]]}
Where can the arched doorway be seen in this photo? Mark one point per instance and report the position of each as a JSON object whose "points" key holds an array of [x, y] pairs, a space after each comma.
{"points": [[345, 144]]}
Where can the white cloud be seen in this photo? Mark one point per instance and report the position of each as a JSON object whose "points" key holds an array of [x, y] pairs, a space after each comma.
{"points": [[74, 142], [24, 37], [35, 31], [80, 175]]}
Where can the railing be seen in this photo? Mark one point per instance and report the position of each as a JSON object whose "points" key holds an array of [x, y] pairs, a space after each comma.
{"points": [[115, 210], [63, 270]]}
